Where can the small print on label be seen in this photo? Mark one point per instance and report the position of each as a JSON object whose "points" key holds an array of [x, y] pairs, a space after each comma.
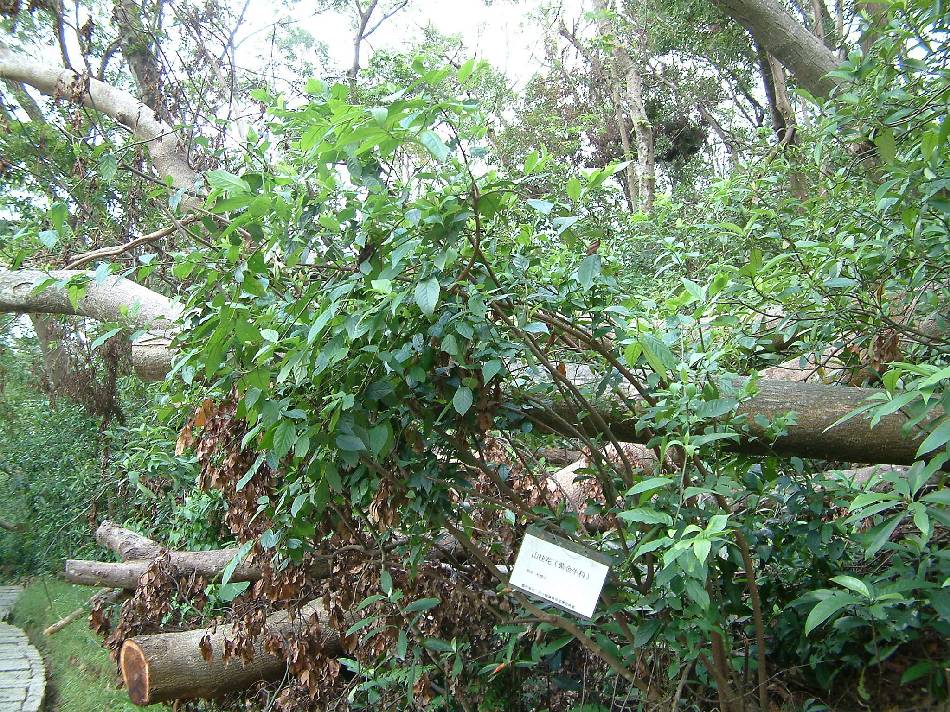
{"points": [[560, 575]]}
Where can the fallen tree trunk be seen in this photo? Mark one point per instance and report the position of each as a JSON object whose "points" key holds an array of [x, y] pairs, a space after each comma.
{"points": [[127, 574], [115, 299], [170, 666], [813, 435]]}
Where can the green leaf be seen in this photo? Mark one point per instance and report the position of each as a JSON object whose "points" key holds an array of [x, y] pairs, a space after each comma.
{"points": [[536, 327], [359, 625], [646, 516], [423, 604], [490, 369], [427, 295], [227, 183], [886, 145], [434, 144], [438, 646], [349, 443], [227, 592], [102, 338], [284, 437], [937, 438], [695, 590], [880, 535], [701, 549], [48, 238], [462, 400], [588, 270], [107, 167], [542, 206], [715, 408], [917, 671], [657, 354], [379, 114], [379, 437], [465, 71], [649, 484], [695, 291], [827, 608], [717, 523], [236, 561], [854, 584], [573, 188]]}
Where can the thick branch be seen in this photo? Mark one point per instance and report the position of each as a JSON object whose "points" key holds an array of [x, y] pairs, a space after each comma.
{"points": [[119, 105], [115, 299], [782, 36]]}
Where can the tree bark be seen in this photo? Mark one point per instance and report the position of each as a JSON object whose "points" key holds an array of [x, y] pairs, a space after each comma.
{"points": [[170, 666], [782, 36], [119, 105]]}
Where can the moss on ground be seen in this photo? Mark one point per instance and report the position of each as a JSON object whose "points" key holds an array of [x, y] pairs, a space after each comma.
{"points": [[80, 676]]}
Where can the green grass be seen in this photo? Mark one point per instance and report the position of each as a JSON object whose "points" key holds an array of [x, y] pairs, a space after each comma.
{"points": [[80, 676]]}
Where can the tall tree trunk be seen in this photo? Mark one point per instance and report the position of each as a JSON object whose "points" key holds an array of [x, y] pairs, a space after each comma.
{"points": [[643, 129], [627, 93]]}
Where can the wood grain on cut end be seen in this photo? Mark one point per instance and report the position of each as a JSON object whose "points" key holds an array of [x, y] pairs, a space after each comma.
{"points": [[134, 672]]}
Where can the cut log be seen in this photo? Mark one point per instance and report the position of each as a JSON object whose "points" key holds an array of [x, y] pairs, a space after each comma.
{"points": [[170, 666], [813, 435], [126, 574], [129, 545]]}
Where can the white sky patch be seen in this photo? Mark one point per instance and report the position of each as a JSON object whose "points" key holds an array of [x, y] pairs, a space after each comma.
{"points": [[505, 34]]}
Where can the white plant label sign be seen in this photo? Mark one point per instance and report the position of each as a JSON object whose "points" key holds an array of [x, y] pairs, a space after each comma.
{"points": [[559, 571]]}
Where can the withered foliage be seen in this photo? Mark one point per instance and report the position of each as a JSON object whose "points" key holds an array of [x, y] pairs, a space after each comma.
{"points": [[340, 571]]}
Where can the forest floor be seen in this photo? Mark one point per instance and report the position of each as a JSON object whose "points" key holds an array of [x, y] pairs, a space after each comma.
{"points": [[80, 675]]}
